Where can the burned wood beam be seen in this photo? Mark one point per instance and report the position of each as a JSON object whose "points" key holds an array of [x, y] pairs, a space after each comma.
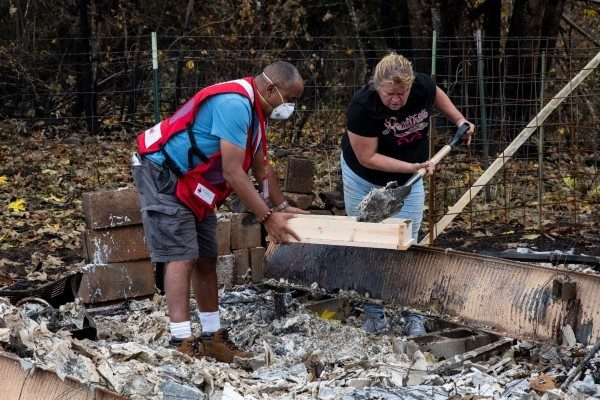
{"points": [[499, 296]]}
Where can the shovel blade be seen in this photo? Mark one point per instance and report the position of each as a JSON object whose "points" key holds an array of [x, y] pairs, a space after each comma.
{"points": [[382, 203]]}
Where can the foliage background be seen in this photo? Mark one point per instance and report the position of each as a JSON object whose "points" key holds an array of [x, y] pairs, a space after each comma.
{"points": [[76, 89]]}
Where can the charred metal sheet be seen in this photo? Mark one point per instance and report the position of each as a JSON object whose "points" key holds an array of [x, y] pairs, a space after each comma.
{"points": [[501, 296], [555, 258], [457, 360], [446, 344], [56, 293]]}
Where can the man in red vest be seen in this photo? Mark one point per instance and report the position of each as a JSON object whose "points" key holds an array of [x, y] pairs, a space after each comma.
{"points": [[186, 166]]}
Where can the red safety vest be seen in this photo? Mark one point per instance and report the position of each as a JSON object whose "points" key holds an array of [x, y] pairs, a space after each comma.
{"points": [[193, 189]]}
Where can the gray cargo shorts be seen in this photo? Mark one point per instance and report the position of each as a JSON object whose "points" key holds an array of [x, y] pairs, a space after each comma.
{"points": [[172, 231]]}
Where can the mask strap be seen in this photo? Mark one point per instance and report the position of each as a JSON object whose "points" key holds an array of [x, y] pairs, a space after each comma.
{"points": [[276, 88]]}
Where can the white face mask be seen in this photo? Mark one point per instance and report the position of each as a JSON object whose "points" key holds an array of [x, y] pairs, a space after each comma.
{"points": [[283, 111]]}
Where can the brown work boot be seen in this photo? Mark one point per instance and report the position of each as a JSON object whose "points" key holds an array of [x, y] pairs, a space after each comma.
{"points": [[220, 347], [192, 346]]}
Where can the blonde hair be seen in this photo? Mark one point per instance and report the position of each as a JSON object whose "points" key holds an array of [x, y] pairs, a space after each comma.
{"points": [[393, 68]]}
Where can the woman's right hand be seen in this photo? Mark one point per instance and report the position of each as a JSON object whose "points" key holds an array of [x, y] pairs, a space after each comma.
{"points": [[278, 229], [428, 165]]}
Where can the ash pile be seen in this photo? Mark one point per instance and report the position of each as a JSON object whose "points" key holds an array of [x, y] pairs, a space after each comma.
{"points": [[305, 344]]}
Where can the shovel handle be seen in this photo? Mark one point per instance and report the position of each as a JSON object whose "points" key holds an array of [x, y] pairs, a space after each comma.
{"points": [[440, 154]]}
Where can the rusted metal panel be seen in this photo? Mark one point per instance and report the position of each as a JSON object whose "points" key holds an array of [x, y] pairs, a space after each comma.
{"points": [[36, 384], [505, 297]]}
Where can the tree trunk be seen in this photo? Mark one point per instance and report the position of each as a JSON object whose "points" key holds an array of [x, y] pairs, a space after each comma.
{"points": [[394, 22], [188, 15], [520, 57], [420, 29], [492, 28], [87, 97], [133, 95], [550, 27]]}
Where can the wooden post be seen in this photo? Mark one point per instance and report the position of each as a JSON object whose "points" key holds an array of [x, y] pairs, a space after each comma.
{"points": [[454, 210]]}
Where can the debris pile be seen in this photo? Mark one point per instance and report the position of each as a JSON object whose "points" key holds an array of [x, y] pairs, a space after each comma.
{"points": [[297, 354]]}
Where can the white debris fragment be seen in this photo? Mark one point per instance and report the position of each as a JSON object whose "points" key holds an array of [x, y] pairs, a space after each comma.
{"points": [[297, 356]]}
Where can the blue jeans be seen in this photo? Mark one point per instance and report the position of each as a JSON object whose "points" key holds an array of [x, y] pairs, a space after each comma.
{"points": [[356, 188]]}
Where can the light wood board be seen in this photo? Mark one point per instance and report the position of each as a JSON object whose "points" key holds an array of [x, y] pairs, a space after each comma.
{"points": [[392, 233]]}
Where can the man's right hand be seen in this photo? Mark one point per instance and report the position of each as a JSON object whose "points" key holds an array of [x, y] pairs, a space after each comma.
{"points": [[278, 229]]}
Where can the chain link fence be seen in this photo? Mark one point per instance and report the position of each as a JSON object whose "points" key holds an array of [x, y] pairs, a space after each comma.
{"points": [[105, 87]]}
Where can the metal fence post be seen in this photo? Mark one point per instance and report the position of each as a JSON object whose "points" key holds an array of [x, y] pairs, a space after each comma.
{"points": [[155, 79], [541, 147], [483, 116], [431, 213]]}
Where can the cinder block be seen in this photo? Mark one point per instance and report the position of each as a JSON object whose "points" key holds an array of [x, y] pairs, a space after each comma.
{"points": [[224, 235], [226, 270], [112, 208], [300, 200], [299, 174], [242, 265], [257, 267], [106, 246], [245, 231], [109, 282]]}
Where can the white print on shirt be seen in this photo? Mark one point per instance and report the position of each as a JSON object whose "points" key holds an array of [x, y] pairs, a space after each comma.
{"points": [[411, 124]]}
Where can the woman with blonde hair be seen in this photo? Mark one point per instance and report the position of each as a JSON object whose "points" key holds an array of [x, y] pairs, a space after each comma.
{"points": [[387, 139]]}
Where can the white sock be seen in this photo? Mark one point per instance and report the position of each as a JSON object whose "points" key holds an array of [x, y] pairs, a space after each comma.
{"points": [[181, 330], [211, 322]]}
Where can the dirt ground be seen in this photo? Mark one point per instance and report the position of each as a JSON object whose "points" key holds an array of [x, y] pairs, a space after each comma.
{"points": [[43, 179]]}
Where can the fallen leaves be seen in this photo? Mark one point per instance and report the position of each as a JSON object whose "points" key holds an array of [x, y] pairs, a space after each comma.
{"points": [[17, 206], [543, 384]]}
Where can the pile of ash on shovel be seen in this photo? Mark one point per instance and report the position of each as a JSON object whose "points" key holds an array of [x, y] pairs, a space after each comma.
{"points": [[300, 354]]}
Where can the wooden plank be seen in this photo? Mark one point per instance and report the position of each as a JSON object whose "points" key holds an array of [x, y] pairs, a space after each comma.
{"points": [[35, 384], [392, 233]]}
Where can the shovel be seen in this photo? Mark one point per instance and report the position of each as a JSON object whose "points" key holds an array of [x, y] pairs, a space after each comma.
{"points": [[381, 203]]}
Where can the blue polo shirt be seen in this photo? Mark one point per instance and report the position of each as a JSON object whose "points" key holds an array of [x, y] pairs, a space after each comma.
{"points": [[224, 116]]}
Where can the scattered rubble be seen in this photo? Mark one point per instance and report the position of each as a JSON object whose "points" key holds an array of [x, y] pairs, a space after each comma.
{"points": [[302, 355]]}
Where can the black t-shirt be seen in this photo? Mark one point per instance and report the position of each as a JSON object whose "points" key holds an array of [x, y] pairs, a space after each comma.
{"points": [[402, 134]]}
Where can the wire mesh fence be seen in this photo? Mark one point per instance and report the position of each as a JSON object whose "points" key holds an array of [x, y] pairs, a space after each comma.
{"points": [[105, 87]]}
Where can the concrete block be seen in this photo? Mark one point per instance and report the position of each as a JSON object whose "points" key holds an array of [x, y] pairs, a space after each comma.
{"points": [[299, 174], [111, 208], [224, 235], [242, 265], [106, 246], [257, 264], [245, 231], [226, 270], [300, 200], [109, 282]]}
